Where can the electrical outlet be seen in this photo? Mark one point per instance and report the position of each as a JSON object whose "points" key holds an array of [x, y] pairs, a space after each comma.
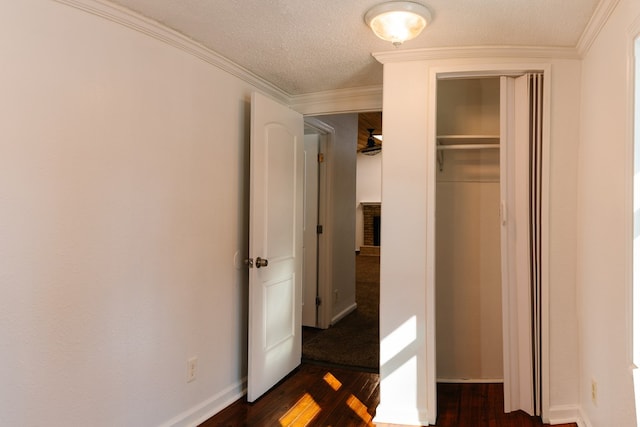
{"points": [[192, 368], [594, 391]]}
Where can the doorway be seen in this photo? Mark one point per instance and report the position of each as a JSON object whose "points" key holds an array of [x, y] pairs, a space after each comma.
{"points": [[468, 255], [488, 189], [349, 297]]}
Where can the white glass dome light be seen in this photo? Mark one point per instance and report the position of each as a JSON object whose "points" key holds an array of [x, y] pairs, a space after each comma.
{"points": [[398, 21]]}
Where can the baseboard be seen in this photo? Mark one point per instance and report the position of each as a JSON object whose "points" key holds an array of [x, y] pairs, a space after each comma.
{"points": [[338, 317], [205, 410], [562, 414], [565, 414], [583, 420], [469, 380]]}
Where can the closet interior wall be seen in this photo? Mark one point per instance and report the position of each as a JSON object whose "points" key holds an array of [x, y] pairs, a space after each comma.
{"points": [[468, 256]]}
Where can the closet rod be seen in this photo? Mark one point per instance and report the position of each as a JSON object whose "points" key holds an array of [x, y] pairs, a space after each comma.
{"points": [[468, 137], [467, 146]]}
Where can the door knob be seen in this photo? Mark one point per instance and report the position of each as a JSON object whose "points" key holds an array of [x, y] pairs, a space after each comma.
{"points": [[261, 262]]}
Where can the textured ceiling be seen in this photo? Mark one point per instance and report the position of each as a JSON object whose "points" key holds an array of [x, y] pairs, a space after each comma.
{"points": [[305, 46]]}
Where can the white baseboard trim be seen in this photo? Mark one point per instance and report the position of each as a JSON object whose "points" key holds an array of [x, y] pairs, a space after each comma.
{"points": [[583, 420], [401, 416], [205, 410], [338, 317], [565, 414], [469, 380], [562, 414]]}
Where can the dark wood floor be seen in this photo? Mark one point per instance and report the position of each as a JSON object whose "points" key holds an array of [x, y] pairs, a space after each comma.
{"points": [[326, 396]]}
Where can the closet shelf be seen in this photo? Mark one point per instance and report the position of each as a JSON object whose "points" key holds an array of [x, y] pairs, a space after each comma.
{"points": [[464, 142], [467, 142], [467, 137], [468, 146]]}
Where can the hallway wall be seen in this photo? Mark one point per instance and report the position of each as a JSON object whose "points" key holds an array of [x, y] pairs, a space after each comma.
{"points": [[342, 191]]}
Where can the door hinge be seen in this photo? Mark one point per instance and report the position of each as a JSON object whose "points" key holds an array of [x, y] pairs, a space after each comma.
{"points": [[319, 229], [318, 301], [320, 157]]}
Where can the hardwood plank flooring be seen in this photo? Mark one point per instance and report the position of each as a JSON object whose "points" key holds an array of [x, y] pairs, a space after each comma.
{"points": [[315, 395]]}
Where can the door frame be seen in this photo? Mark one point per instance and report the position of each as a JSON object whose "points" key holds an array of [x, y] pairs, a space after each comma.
{"points": [[325, 205], [470, 71], [310, 231]]}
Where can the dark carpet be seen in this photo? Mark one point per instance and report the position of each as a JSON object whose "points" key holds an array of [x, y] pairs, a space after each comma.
{"points": [[354, 341]]}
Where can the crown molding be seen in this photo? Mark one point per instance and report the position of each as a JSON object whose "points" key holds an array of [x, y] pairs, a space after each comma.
{"points": [[368, 98], [328, 102], [471, 52], [139, 23], [604, 9], [342, 100], [598, 19]]}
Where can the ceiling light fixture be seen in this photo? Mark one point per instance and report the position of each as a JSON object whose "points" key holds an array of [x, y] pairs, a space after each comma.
{"points": [[398, 21]]}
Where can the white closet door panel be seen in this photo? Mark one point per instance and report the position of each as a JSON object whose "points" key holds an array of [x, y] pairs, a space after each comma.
{"points": [[518, 386]]}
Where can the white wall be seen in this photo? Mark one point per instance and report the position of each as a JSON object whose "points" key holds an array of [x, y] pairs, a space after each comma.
{"points": [[403, 368], [368, 188], [123, 198], [563, 340], [603, 228], [342, 191], [403, 274], [472, 106], [468, 285]]}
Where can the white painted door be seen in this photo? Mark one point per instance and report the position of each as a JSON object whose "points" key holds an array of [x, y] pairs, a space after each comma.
{"points": [[275, 244], [310, 245]]}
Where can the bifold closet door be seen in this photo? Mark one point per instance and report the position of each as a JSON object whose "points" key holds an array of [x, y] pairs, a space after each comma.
{"points": [[521, 193], [535, 85]]}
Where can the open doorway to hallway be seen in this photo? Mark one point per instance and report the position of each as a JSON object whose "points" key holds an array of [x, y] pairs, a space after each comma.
{"points": [[352, 339]]}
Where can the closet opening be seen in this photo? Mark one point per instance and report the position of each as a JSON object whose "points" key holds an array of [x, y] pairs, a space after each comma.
{"points": [[489, 188], [468, 253]]}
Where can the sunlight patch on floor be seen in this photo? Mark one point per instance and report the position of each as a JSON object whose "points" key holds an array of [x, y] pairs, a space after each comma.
{"points": [[332, 381], [306, 408], [302, 413], [359, 408]]}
